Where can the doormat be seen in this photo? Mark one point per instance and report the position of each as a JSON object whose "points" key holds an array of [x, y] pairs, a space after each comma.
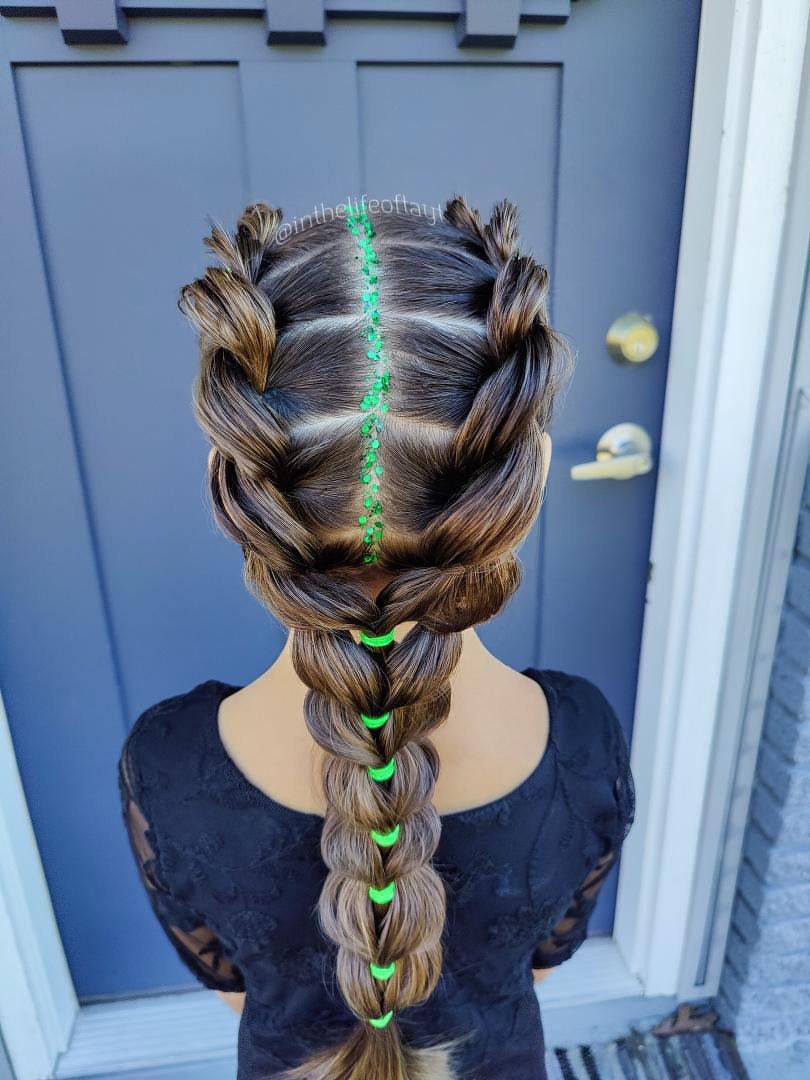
{"points": [[698, 1055]]}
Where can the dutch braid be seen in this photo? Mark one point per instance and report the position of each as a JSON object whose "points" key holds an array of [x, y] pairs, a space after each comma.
{"points": [[466, 457]]}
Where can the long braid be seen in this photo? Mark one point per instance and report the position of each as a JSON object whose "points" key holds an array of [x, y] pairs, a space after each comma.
{"points": [[283, 464]]}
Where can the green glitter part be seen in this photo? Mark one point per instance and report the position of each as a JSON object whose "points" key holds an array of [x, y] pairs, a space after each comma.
{"points": [[374, 403]]}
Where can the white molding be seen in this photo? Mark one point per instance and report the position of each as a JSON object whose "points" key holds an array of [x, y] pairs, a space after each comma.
{"points": [[775, 491], [749, 70], [596, 972], [37, 1002], [150, 1032]]}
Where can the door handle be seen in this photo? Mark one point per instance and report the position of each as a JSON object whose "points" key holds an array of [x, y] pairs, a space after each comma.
{"points": [[624, 451]]}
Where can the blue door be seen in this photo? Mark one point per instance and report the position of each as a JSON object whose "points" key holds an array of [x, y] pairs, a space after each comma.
{"points": [[116, 589]]}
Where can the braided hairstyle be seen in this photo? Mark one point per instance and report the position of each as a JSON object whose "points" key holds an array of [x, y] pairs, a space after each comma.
{"points": [[475, 368]]}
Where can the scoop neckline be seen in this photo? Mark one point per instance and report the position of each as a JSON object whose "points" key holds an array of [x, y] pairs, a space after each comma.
{"points": [[538, 675]]}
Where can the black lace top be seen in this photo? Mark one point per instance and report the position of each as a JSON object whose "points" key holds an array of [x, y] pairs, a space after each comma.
{"points": [[234, 879]]}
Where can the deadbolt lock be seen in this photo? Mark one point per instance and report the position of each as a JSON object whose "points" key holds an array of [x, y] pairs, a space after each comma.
{"points": [[632, 338]]}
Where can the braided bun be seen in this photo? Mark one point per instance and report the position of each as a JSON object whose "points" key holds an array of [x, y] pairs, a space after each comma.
{"points": [[474, 371]]}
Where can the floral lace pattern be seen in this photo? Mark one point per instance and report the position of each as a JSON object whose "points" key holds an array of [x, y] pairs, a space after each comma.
{"points": [[234, 877]]}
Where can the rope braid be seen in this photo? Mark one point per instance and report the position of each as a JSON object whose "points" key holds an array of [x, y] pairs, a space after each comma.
{"points": [[466, 462]]}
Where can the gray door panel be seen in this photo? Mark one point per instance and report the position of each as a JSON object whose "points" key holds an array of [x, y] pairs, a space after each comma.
{"points": [[115, 587]]}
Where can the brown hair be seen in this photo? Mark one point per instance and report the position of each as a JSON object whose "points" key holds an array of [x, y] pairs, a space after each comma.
{"points": [[474, 368]]}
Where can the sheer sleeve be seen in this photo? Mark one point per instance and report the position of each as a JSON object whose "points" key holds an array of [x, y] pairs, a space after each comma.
{"points": [[196, 945], [571, 930], [612, 825]]}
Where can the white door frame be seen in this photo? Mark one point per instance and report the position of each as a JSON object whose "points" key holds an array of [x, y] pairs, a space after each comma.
{"points": [[750, 60]]}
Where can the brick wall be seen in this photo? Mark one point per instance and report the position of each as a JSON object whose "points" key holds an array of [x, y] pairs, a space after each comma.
{"points": [[765, 987]]}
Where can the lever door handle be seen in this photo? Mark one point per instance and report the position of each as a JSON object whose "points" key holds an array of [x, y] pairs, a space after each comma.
{"points": [[624, 451]]}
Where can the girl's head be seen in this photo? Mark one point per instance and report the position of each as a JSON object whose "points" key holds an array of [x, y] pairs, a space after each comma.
{"points": [[474, 370]]}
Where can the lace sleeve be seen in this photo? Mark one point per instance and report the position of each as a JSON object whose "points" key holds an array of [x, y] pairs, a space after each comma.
{"points": [[196, 945], [612, 825], [571, 930]]}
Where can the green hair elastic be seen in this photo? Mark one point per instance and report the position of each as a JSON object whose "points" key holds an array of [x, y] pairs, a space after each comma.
{"points": [[384, 895], [374, 403], [381, 1021], [383, 972], [382, 772], [374, 721], [386, 839], [378, 641]]}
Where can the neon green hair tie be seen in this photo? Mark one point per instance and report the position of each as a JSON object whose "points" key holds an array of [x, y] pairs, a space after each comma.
{"points": [[384, 895], [382, 772], [383, 972], [374, 721], [381, 1021], [386, 839], [377, 642]]}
